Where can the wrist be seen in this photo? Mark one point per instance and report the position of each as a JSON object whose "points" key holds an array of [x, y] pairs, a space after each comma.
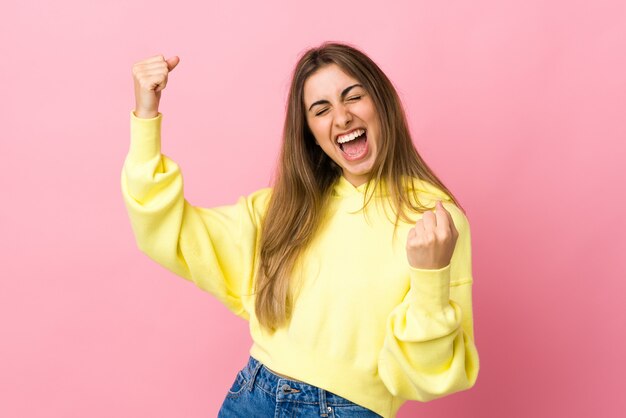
{"points": [[145, 114]]}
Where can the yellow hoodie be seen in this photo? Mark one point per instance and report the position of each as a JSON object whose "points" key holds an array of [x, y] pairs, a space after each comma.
{"points": [[365, 326]]}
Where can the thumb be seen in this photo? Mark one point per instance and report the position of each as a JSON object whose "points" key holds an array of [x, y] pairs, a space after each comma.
{"points": [[172, 62]]}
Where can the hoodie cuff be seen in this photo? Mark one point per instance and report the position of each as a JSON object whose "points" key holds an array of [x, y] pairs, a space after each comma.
{"points": [[145, 137], [430, 287]]}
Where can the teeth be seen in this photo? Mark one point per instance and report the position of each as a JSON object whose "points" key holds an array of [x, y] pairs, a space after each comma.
{"points": [[346, 138]]}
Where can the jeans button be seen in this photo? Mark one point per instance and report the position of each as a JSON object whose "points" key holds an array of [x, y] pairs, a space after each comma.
{"points": [[286, 388]]}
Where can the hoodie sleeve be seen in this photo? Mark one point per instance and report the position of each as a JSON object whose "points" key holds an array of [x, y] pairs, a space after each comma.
{"points": [[213, 247], [429, 348]]}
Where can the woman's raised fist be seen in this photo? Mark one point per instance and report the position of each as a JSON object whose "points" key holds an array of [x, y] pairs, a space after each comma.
{"points": [[150, 77], [430, 243]]}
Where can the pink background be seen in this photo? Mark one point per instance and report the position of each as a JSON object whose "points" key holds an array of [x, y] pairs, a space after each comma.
{"points": [[519, 106]]}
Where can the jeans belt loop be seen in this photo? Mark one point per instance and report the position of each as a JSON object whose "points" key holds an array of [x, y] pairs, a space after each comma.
{"points": [[253, 375], [323, 408]]}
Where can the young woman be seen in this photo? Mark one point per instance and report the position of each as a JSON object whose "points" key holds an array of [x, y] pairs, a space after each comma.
{"points": [[353, 269]]}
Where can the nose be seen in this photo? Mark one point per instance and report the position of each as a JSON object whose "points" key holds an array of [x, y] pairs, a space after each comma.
{"points": [[343, 117]]}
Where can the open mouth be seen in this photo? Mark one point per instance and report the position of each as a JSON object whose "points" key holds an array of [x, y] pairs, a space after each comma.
{"points": [[354, 144]]}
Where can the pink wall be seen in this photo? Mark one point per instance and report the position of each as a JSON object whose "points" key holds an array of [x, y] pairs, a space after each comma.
{"points": [[518, 106]]}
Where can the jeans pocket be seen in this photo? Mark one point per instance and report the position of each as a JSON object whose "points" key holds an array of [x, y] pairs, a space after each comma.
{"points": [[240, 383]]}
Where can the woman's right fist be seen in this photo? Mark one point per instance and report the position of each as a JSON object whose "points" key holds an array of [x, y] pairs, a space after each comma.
{"points": [[150, 77]]}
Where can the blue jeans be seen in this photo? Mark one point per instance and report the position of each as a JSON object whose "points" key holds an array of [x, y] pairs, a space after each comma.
{"points": [[257, 392]]}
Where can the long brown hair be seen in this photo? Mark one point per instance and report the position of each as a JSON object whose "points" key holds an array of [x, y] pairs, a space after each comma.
{"points": [[305, 175]]}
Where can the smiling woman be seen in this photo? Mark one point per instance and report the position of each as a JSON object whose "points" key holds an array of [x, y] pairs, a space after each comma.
{"points": [[351, 311], [344, 121]]}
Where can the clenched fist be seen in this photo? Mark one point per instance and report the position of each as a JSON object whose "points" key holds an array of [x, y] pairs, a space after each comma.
{"points": [[431, 241], [150, 77]]}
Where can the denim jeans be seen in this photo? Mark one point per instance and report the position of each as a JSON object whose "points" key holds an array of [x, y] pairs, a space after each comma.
{"points": [[257, 392]]}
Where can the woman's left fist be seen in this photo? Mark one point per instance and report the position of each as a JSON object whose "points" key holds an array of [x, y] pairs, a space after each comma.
{"points": [[430, 243]]}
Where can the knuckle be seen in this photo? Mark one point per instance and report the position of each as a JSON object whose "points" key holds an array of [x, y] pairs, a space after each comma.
{"points": [[413, 244], [445, 236], [144, 82], [136, 70]]}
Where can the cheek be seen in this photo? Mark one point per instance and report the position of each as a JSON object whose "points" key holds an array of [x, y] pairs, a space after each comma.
{"points": [[318, 129], [366, 112], [372, 115], [373, 122]]}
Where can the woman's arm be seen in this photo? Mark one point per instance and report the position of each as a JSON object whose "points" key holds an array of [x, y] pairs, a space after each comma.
{"points": [[429, 348], [213, 247]]}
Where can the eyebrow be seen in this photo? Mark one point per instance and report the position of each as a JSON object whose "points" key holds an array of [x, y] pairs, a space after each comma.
{"points": [[343, 94]]}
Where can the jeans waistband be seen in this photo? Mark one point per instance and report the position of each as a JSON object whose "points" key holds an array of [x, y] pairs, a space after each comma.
{"points": [[287, 389]]}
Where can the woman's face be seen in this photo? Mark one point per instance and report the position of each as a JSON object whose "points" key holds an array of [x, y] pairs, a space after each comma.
{"points": [[343, 120]]}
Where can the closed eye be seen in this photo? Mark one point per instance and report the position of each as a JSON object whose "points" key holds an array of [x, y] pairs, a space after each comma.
{"points": [[321, 112], [354, 98]]}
